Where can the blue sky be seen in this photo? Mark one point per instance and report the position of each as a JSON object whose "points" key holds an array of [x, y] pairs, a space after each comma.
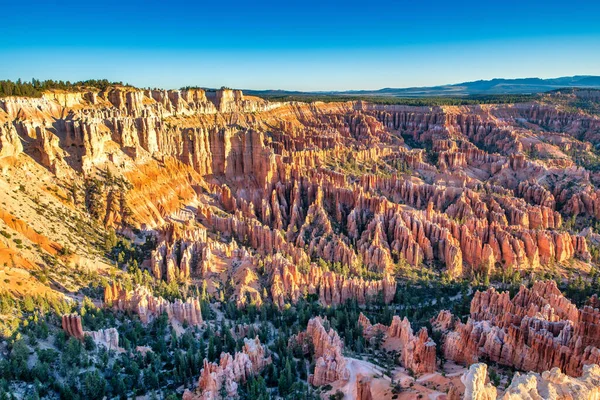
{"points": [[298, 45]]}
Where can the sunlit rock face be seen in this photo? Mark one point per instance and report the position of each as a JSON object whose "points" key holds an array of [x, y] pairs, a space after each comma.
{"points": [[549, 385], [326, 180]]}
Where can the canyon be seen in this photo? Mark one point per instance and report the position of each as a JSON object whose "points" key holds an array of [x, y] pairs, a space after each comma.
{"points": [[212, 207]]}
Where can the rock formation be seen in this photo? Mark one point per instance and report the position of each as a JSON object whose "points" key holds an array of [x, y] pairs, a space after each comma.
{"points": [[10, 143], [284, 177], [476, 387], [363, 388], [326, 345], [179, 253], [536, 330], [230, 371], [417, 353], [555, 385], [273, 202], [109, 338], [71, 324], [444, 321], [549, 385], [147, 307]]}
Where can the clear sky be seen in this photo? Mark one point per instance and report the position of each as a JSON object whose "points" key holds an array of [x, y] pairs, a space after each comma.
{"points": [[298, 45]]}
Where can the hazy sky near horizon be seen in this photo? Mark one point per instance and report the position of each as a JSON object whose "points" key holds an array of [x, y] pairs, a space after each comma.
{"points": [[298, 45]]}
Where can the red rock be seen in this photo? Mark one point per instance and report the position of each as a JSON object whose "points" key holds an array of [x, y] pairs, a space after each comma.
{"points": [[417, 353], [327, 346], [363, 388], [230, 371], [109, 338], [148, 307], [537, 330], [444, 321], [71, 324]]}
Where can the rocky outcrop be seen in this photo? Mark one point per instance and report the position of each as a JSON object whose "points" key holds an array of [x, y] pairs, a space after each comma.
{"points": [[417, 353], [370, 331], [549, 385], [10, 143], [363, 388], [536, 330], [109, 338], [71, 324], [444, 321], [179, 254], [229, 372], [326, 347], [476, 387], [555, 385], [141, 302], [333, 289]]}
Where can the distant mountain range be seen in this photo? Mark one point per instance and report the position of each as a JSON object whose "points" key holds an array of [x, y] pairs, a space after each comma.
{"points": [[489, 87]]}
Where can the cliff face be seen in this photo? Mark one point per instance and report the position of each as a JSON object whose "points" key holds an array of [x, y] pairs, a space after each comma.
{"points": [[537, 330]]}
